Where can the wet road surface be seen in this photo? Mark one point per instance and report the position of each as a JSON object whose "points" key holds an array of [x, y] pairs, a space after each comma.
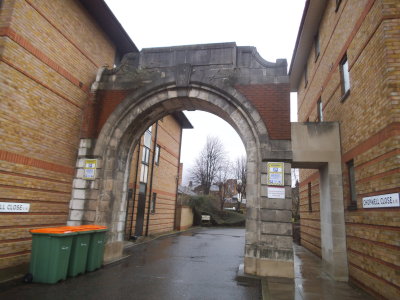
{"points": [[197, 264]]}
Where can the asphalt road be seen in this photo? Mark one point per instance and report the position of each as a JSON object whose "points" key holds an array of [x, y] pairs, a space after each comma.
{"points": [[197, 264]]}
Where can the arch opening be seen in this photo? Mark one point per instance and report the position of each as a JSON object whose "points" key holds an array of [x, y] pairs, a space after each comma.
{"points": [[115, 149]]}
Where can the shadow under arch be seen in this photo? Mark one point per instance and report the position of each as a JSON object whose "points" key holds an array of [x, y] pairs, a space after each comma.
{"points": [[136, 113]]}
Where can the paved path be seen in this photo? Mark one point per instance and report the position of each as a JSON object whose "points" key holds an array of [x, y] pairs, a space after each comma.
{"points": [[197, 264], [310, 283]]}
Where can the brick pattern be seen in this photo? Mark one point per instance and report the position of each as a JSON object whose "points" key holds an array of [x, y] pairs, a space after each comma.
{"points": [[272, 102], [368, 31], [50, 53], [310, 232], [164, 180]]}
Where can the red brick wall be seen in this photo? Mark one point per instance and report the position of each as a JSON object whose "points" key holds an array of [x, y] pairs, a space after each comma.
{"points": [[98, 109], [272, 102]]}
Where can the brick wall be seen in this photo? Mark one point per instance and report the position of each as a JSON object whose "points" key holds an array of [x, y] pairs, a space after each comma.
{"points": [[164, 180], [368, 32], [272, 102], [50, 53], [310, 231]]}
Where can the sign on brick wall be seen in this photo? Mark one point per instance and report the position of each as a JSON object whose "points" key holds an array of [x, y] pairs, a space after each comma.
{"points": [[387, 200], [14, 207], [90, 169]]}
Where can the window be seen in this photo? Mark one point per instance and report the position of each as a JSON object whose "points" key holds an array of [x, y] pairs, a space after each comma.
{"points": [[352, 185], [146, 155], [316, 45], [319, 111], [153, 203], [305, 76], [337, 5], [142, 188], [146, 146], [144, 170], [147, 139], [309, 198], [345, 77], [157, 155]]}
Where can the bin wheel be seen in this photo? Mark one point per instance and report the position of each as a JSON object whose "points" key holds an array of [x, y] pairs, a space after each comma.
{"points": [[28, 278]]}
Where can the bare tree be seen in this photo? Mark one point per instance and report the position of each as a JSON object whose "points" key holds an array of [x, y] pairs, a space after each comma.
{"points": [[211, 160], [222, 182], [240, 170]]}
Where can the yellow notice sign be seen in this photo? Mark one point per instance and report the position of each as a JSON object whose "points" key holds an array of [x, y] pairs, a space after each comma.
{"points": [[276, 173], [90, 169]]}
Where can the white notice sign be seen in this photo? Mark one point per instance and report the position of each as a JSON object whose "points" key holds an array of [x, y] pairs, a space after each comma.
{"points": [[388, 200], [276, 192], [14, 207]]}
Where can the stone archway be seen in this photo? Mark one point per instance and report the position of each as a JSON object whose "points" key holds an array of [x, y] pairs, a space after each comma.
{"points": [[232, 82]]}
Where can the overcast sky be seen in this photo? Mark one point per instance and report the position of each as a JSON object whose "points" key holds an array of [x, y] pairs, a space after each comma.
{"points": [[270, 25]]}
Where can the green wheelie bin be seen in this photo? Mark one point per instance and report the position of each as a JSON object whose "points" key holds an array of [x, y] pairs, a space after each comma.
{"points": [[79, 251], [51, 249], [96, 248]]}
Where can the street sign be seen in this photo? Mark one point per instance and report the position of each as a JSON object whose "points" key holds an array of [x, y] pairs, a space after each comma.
{"points": [[14, 207], [387, 200]]}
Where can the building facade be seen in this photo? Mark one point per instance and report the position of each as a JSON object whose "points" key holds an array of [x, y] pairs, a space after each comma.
{"points": [[50, 53], [154, 178], [345, 68]]}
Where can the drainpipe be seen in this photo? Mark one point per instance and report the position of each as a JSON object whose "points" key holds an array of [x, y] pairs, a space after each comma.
{"points": [[134, 190], [151, 181], [177, 179]]}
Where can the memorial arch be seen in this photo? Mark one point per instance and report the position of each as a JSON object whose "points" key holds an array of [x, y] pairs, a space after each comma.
{"points": [[232, 82]]}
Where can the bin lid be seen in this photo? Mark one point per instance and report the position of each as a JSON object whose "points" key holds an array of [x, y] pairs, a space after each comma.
{"points": [[54, 230]]}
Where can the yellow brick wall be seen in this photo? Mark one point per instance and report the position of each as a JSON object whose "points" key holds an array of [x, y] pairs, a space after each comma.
{"points": [[50, 54], [369, 33], [310, 231], [164, 180]]}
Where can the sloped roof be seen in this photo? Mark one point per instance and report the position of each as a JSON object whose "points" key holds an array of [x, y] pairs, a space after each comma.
{"points": [[312, 14], [100, 11]]}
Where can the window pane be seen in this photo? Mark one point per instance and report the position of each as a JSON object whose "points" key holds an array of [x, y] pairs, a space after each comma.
{"points": [[316, 45], [157, 157], [145, 155], [143, 173], [352, 183], [305, 76], [147, 139], [153, 203], [345, 76], [142, 188], [319, 108]]}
